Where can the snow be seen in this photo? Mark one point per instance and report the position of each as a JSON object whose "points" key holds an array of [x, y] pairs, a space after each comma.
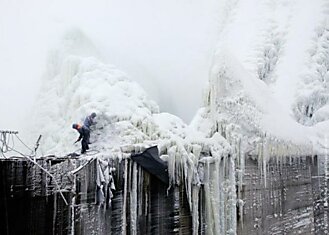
{"points": [[151, 41], [77, 82], [260, 101], [268, 52]]}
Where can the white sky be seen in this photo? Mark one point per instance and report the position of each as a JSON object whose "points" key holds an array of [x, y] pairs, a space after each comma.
{"points": [[167, 46]]}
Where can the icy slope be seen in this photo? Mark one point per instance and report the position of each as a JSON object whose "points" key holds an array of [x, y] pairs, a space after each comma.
{"points": [[241, 107], [271, 40], [270, 70], [76, 84], [250, 90], [246, 112]]}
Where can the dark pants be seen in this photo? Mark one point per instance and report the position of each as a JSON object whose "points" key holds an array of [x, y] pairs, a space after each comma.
{"points": [[85, 140]]}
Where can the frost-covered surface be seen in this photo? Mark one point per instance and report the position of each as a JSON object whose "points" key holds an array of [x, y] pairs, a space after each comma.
{"points": [[76, 84], [282, 44], [249, 107], [238, 105], [312, 102], [251, 89]]}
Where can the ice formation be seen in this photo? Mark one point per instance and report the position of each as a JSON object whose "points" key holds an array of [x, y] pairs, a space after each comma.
{"points": [[312, 102], [128, 121], [241, 116]]}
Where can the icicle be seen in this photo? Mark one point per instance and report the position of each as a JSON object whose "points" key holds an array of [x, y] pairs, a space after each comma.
{"points": [[124, 218], [133, 201], [171, 165], [73, 207], [140, 186], [221, 194], [207, 196], [189, 173], [195, 186], [233, 223], [215, 199], [265, 156], [325, 189], [241, 176]]}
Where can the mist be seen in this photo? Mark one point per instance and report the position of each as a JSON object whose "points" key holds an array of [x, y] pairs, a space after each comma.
{"points": [[166, 46]]}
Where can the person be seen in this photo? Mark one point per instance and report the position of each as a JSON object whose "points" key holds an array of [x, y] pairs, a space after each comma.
{"points": [[89, 121], [84, 135]]}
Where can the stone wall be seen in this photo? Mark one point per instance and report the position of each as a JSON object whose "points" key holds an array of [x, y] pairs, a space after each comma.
{"points": [[286, 201], [288, 196]]}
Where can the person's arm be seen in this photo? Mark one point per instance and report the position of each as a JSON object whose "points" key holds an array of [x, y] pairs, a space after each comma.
{"points": [[93, 122], [80, 137]]}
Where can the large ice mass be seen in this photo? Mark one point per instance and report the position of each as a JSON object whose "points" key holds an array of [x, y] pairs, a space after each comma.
{"points": [[244, 113], [77, 83]]}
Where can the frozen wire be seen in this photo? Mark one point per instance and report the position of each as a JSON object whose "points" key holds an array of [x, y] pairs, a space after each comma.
{"points": [[4, 146], [13, 141], [6, 139], [23, 143], [47, 172], [3, 154], [10, 141]]}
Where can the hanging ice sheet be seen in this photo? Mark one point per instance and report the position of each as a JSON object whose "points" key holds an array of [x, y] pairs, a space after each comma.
{"points": [[152, 163]]}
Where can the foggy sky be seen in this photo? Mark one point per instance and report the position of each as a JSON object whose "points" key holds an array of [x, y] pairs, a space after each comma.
{"points": [[166, 46]]}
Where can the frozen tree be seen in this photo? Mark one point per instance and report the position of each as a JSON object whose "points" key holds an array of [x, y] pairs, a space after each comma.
{"points": [[273, 38], [269, 54], [313, 96]]}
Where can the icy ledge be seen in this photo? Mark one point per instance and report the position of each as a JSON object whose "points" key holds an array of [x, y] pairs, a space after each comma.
{"points": [[235, 122], [77, 82]]}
